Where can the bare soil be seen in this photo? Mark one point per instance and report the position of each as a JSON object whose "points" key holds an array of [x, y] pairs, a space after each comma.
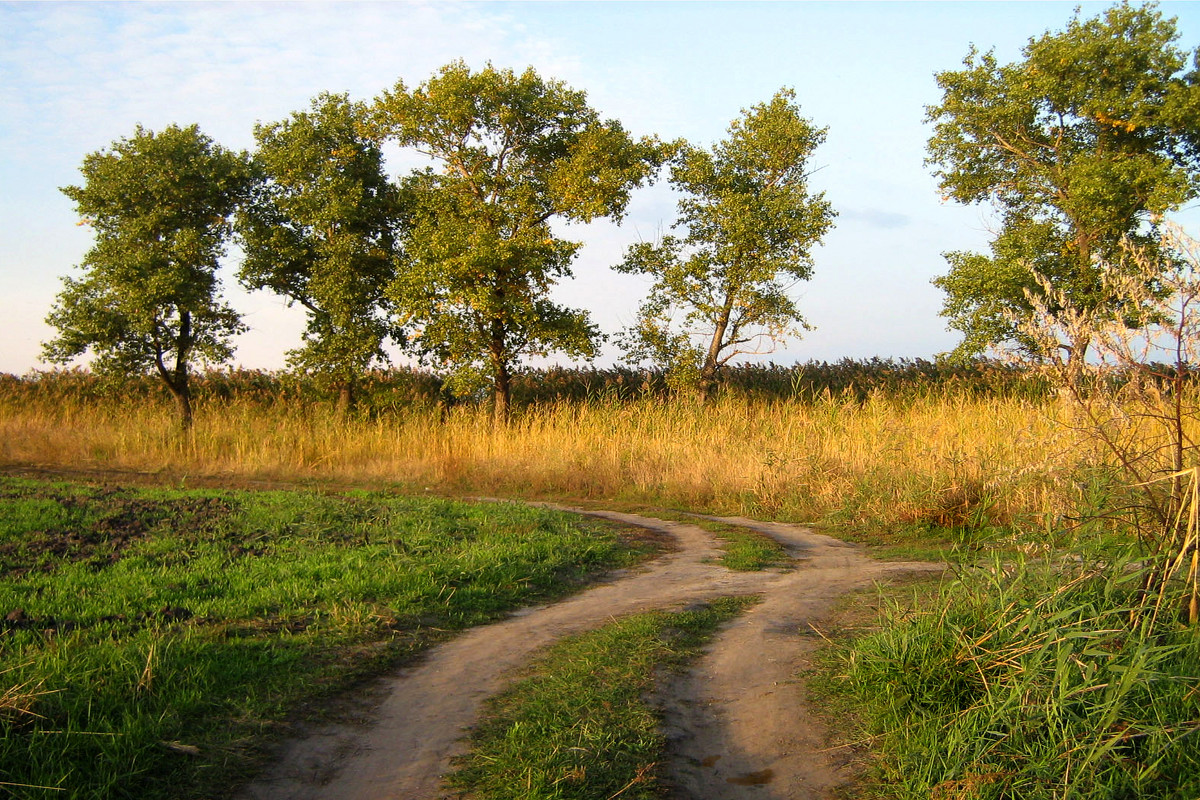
{"points": [[738, 722]]}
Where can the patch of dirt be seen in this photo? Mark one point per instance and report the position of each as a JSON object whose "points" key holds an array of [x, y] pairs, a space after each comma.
{"points": [[738, 723], [99, 525]]}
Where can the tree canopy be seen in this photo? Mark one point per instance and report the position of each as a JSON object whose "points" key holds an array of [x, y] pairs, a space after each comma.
{"points": [[721, 289], [149, 297], [512, 153], [322, 231], [1078, 146]]}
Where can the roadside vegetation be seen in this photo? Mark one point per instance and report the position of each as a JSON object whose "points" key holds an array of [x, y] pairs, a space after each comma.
{"points": [[152, 640], [1023, 679]]}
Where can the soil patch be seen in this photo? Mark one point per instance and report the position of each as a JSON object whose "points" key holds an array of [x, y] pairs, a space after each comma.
{"points": [[97, 525]]}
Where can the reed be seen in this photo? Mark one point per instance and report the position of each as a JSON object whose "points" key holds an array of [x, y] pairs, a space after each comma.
{"points": [[938, 457]]}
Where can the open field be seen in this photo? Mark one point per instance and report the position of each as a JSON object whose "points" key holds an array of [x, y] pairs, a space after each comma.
{"points": [[977, 457], [924, 465], [152, 640]]}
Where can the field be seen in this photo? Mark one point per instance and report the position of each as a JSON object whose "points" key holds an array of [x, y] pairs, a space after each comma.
{"points": [[869, 447], [910, 458], [145, 627]]}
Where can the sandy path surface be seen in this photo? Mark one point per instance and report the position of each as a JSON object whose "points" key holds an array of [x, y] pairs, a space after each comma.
{"points": [[737, 723]]}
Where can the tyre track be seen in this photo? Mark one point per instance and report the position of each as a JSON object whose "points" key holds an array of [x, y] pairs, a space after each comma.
{"points": [[732, 721]]}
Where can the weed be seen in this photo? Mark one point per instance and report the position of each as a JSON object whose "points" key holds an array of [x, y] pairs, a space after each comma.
{"points": [[1028, 680]]}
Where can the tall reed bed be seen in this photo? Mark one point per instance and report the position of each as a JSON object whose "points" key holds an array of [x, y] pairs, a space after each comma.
{"points": [[941, 457]]}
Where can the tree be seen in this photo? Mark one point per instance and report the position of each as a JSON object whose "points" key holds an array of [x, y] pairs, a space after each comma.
{"points": [[149, 299], [322, 232], [750, 224], [514, 153], [1078, 146]]}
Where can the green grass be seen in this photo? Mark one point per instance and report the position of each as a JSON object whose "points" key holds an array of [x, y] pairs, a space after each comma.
{"points": [[578, 725], [742, 549], [1027, 680], [746, 550], [150, 640]]}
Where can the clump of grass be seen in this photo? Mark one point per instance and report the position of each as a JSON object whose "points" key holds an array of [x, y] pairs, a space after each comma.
{"points": [[742, 549], [1032, 680], [578, 725], [152, 638], [746, 550]]}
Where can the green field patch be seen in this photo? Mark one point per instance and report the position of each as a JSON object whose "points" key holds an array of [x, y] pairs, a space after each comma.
{"points": [[152, 640]]}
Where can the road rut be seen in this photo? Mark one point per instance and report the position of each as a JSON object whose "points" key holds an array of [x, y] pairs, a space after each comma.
{"points": [[737, 722]]}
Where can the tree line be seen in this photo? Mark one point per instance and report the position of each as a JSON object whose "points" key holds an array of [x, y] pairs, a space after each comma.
{"points": [[1080, 146]]}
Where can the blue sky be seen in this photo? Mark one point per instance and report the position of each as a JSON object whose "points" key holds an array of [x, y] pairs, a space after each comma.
{"points": [[74, 77]]}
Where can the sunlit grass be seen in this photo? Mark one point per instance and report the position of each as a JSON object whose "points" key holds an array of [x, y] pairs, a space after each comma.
{"points": [[151, 639], [1036, 679], [936, 460]]}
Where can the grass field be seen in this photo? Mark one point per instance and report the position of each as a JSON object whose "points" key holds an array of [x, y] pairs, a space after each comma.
{"points": [[921, 462], [151, 640], [980, 461]]}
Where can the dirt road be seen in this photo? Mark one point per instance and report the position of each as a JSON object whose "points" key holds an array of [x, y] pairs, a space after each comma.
{"points": [[737, 723]]}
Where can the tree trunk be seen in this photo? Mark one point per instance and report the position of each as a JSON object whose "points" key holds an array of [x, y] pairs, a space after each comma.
{"points": [[176, 379], [501, 394], [1077, 358], [501, 377], [708, 380], [177, 384], [708, 372], [183, 405], [346, 396]]}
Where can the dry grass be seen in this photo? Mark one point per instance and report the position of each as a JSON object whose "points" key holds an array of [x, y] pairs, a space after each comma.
{"points": [[17, 701], [939, 460]]}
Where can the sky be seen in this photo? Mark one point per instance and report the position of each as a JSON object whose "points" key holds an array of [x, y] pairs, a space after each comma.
{"points": [[75, 77]]}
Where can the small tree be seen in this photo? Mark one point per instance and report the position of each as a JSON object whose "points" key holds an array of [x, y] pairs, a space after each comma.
{"points": [[513, 153], [149, 298], [751, 223], [322, 232], [1078, 146]]}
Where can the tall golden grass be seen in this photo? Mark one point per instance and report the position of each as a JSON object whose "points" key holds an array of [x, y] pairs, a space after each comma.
{"points": [[940, 458]]}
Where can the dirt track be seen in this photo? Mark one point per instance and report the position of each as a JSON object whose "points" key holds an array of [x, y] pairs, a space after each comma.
{"points": [[737, 722]]}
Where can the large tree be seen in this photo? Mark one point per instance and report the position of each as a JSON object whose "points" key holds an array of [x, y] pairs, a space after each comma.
{"points": [[149, 297], [512, 154], [750, 222], [1078, 146], [322, 232]]}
